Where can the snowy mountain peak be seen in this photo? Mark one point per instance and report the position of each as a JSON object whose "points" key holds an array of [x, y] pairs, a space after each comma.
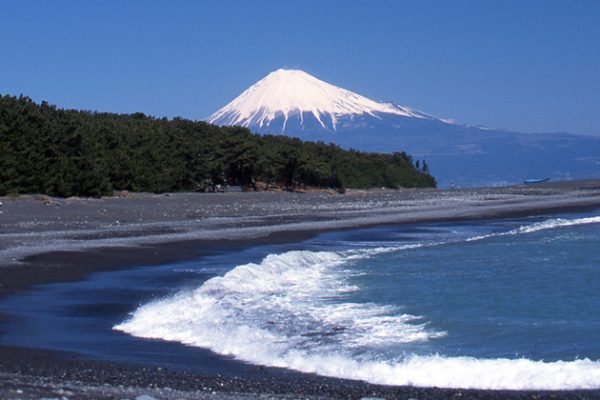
{"points": [[288, 93]]}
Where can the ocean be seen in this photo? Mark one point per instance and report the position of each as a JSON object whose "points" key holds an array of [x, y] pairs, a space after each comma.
{"points": [[499, 304]]}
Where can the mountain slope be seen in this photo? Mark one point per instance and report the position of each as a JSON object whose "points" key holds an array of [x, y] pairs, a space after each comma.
{"points": [[294, 94], [294, 103]]}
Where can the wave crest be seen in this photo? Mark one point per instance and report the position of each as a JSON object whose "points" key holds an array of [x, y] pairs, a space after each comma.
{"points": [[292, 310]]}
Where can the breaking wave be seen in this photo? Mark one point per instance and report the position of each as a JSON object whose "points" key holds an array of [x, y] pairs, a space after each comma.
{"points": [[542, 226], [293, 310]]}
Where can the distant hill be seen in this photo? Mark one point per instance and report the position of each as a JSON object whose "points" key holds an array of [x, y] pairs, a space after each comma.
{"points": [[44, 149], [294, 103]]}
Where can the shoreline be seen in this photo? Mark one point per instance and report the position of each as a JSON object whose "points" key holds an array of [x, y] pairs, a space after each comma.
{"points": [[67, 239], [43, 373], [96, 247], [71, 266]]}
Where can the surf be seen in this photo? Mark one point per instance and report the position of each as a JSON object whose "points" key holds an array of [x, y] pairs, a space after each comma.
{"points": [[299, 310]]}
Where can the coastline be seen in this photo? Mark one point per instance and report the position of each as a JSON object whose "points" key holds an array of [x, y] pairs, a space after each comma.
{"points": [[39, 373], [52, 240], [66, 239]]}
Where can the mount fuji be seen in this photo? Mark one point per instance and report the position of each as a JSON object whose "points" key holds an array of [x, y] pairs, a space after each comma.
{"points": [[295, 103]]}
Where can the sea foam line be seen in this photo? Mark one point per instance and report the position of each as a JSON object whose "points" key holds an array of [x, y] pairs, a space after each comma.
{"points": [[280, 313], [290, 302], [454, 372], [541, 226]]}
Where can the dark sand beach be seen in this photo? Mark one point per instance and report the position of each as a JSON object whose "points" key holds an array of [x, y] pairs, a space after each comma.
{"points": [[44, 240]]}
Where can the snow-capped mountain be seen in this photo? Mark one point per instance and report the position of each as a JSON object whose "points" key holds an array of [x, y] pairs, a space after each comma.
{"points": [[294, 103], [286, 100]]}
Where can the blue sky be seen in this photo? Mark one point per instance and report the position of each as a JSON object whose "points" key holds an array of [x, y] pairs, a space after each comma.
{"points": [[531, 66]]}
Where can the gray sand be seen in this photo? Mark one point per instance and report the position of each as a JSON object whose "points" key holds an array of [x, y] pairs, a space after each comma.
{"points": [[38, 224]]}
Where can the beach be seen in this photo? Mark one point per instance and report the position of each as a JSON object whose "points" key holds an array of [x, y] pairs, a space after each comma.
{"points": [[46, 240]]}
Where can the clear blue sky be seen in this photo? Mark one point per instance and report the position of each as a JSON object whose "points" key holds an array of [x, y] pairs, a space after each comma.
{"points": [[521, 65]]}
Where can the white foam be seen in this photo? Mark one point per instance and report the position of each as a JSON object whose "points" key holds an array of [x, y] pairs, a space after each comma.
{"points": [[459, 372], [288, 302], [292, 311], [541, 226], [557, 223]]}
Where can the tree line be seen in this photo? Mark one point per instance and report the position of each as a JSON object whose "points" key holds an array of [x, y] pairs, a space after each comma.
{"points": [[45, 149]]}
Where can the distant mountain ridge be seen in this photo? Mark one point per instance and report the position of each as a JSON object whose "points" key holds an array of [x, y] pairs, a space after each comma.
{"points": [[294, 103]]}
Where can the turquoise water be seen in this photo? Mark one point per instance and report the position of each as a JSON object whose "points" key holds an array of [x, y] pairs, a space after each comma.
{"points": [[497, 305], [533, 295], [509, 304]]}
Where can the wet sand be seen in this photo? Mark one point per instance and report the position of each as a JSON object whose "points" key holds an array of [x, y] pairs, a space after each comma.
{"points": [[46, 240]]}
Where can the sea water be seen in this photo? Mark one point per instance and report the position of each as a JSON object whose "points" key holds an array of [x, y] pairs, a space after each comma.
{"points": [[494, 305], [504, 304]]}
